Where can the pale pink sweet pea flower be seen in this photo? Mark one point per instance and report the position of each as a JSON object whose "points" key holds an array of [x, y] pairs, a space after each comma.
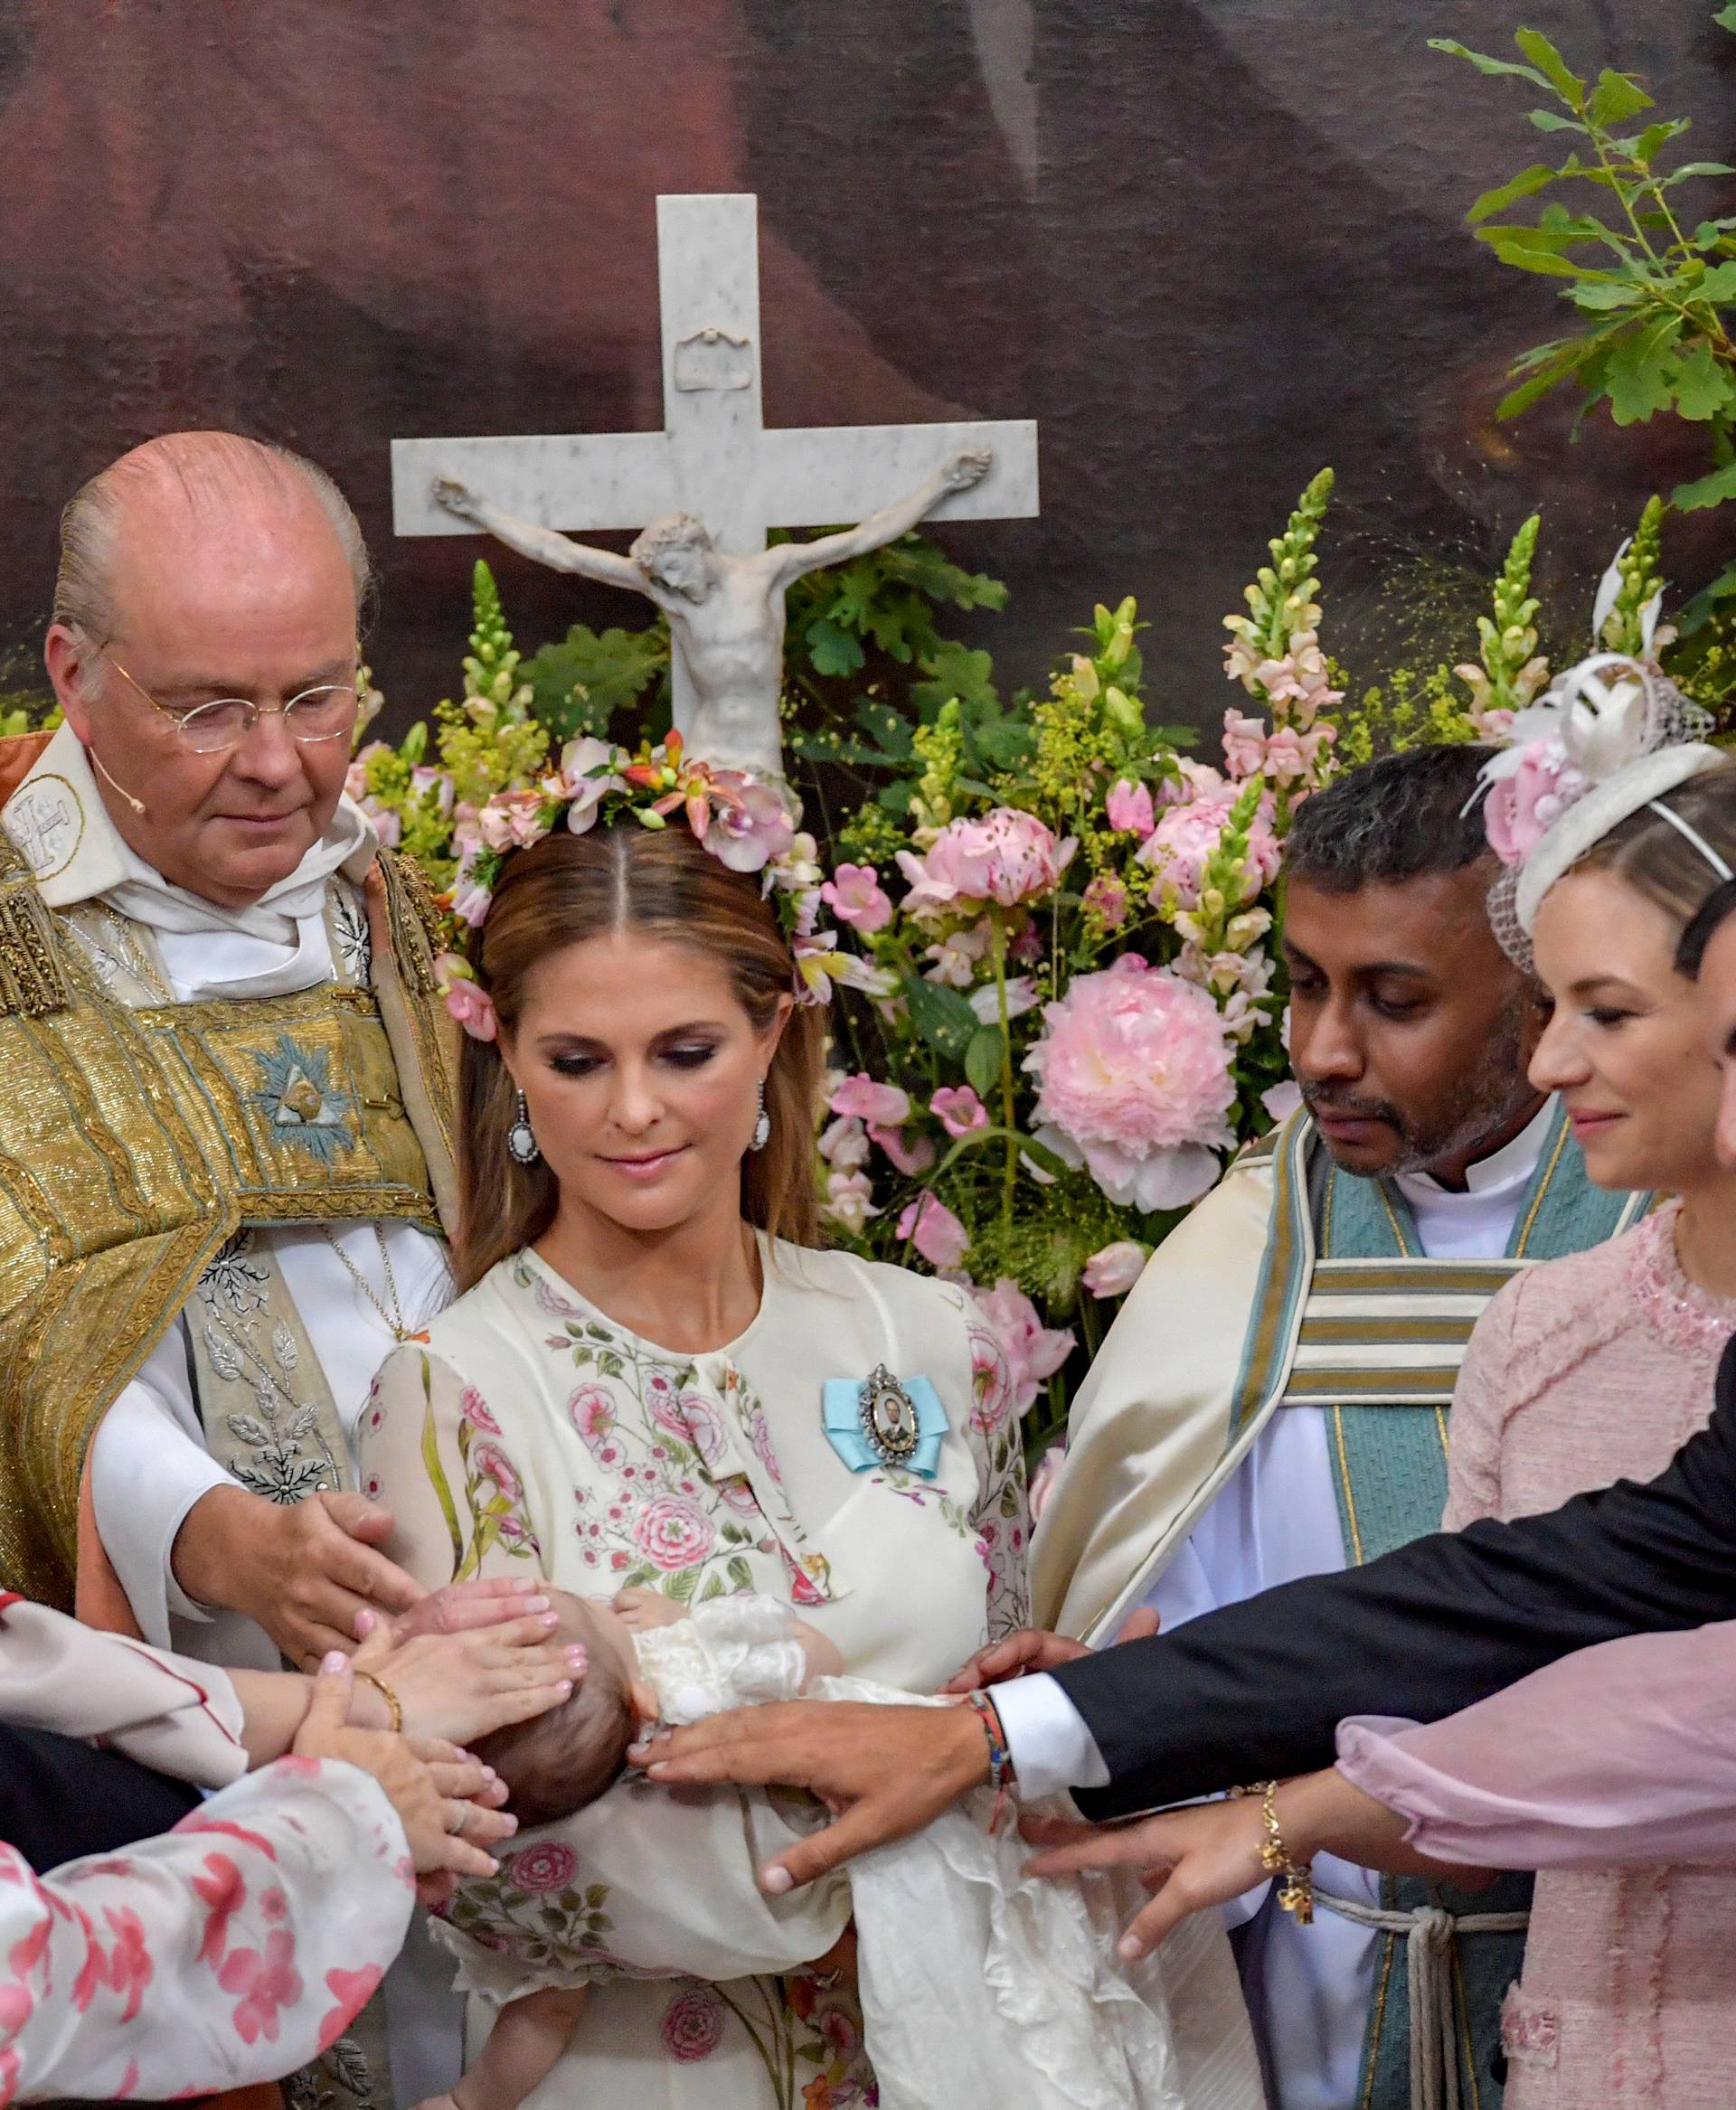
{"points": [[856, 896], [958, 1110], [1244, 744], [1135, 1083], [934, 1230], [884, 1106], [1034, 1352], [1112, 1270], [1021, 996], [845, 1142], [1128, 807]]}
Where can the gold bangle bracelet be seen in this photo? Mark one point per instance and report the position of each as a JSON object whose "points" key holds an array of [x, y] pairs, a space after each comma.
{"points": [[386, 1694], [1295, 1895]]}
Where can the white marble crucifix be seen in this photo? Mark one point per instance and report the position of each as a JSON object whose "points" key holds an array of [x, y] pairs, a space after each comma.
{"points": [[716, 463]]}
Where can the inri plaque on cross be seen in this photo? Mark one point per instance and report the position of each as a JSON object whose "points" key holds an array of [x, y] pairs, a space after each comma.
{"points": [[715, 458]]}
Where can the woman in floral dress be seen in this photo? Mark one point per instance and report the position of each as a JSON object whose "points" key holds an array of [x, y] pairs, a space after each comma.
{"points": [[655, 1377]]}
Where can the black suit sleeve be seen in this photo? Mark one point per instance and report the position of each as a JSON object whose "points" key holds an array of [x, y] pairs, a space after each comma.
{"points": [[62, 1800], [1257, 1690]]}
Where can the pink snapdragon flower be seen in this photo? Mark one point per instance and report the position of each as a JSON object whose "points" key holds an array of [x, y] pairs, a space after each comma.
{"points": [[856, 896], [882, 1106], [1112, 1270], [1135, 1083], [1034, 1352], [958, 1110], [514, 820], [1244, 744], [1006, 857], [388, 825], [1291, 756], [1525, 804], [845, 1142], [849, 1198], [1128, 807], [934, 1230]]}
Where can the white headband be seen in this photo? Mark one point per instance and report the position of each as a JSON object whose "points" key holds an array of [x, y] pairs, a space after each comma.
{"points": [[1626, 791], [1694, 836]]}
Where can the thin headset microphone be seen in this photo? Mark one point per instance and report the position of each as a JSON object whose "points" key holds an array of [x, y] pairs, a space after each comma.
{"points": [[137, 805]]}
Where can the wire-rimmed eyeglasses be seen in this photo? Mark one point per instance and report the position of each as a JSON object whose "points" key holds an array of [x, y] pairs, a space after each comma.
{"points": [[323, 713]]}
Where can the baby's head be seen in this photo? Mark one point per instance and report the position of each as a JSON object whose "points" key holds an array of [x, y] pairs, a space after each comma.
{"points": [[564, 1759]]}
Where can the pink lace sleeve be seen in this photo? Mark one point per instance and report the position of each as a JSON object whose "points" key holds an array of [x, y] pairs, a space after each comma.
{"points": [[1620, 1755], [1480, 1412], [222, 1954]]}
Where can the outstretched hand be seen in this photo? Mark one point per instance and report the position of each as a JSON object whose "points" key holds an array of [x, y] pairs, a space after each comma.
{"points": [[968, 468], [457, 497], [884, 1772], [1031, 1650]]}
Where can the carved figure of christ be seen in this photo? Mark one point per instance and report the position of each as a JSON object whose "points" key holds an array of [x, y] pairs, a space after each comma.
{"points": [[726, 612], [715, 458]]}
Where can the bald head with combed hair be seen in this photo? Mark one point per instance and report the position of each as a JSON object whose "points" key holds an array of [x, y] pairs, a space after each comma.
{"points": [[198, 471]]}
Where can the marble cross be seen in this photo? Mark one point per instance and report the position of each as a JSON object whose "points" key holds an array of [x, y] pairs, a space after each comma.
{"points": [[715, 458]]}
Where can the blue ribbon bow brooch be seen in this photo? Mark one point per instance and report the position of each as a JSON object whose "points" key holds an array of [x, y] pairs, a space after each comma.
{"points": [[880, 1420]]}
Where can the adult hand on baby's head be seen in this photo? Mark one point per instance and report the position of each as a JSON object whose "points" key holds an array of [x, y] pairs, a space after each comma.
{"points": [[458, 1606], [463, 1686]]}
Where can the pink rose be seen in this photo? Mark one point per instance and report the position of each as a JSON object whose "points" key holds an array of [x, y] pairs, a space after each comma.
{"points": [[1034, 1352], [760, 1437], [691, 1419], [1244, 744], [1526, 803], [884, 1106], [1135, 1082], [1128, 807], [934, 1230], [491, 1463], [1007, 856], [856, 896], [1112, 1270], [958, 1110], [692, 2024], [475, 1409], [673, 1533], [541, 1868]]}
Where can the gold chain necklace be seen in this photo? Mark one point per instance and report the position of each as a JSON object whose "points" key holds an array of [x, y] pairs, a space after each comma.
{"points": [[394, 1318]]}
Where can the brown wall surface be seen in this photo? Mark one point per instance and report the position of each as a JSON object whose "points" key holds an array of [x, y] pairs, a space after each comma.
{"points": [[1210, 244]]}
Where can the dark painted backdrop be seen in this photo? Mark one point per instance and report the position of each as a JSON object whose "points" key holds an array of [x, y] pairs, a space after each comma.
{"points": [[1209, 243]]}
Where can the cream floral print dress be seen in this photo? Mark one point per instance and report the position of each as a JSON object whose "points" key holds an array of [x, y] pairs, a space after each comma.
{"points": [[533, 1434]]}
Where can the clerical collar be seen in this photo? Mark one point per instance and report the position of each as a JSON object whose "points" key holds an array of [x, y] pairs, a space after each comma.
{"points": [[59, 821], [1510, 1166]]}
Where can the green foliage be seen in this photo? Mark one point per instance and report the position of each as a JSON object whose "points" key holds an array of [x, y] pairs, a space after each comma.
{"points": [[1651, 294], [582, 683], [27, 703], [1414, 707]]}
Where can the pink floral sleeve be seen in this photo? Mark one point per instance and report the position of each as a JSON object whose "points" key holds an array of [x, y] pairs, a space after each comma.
{"points": [[222, 1954], [1001, 1517]]}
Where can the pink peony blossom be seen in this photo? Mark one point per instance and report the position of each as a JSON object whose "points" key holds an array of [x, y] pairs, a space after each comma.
{"points": [[1112, 1270], [1244, 744], [1006, 857], [1182, 843], [884, 1106], [1523, 805], [958, 1110], [1135, 1082], [1034, 1352], [1192, 780], [1043, 1480], [1128, 807], [856, 896], [934, 1230]]}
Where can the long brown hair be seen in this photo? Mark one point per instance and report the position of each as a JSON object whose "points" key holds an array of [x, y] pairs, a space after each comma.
{"points": [[567, 889]]}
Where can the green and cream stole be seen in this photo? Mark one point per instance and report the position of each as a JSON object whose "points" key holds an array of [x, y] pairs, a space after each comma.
{"points": [[1355, 1321]]}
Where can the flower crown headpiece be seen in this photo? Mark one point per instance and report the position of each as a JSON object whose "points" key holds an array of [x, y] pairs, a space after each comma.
{"points": [[1612, 734], [746, 824]]}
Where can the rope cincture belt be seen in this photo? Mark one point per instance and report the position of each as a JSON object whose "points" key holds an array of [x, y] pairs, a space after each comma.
{"points": [[1428, 1932]]}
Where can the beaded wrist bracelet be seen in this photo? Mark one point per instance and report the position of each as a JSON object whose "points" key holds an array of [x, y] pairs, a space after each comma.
{"points": [[1000, 1758]]}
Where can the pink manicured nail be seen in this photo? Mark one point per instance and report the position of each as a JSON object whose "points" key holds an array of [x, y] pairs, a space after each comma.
{"points": [[1129, 1948], [534, 1605], [778, 1882], [578, 1657], [333, 1662]]}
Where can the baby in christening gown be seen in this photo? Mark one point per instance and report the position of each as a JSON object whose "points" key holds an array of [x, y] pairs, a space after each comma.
{"points": [[980, 1986]]}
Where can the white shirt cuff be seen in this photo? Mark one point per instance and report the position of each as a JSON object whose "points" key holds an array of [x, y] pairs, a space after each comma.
{"points": [[1050, 1747]]}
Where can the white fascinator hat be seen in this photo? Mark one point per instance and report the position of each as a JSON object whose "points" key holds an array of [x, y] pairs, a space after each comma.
{"points": [[1612, 736]]}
